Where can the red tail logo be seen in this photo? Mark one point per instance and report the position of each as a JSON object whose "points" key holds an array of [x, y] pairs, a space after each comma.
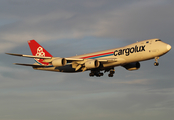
{"points": [[38, 50]]}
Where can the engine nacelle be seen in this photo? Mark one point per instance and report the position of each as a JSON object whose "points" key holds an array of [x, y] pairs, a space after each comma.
{"points": [[92, 64], [58, 62], [132, 66]]}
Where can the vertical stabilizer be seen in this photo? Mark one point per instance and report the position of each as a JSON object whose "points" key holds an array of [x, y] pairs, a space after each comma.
{"points": [[38, 50]]}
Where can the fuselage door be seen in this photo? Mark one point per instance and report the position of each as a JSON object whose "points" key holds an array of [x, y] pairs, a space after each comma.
{"points": [[153, 48]]}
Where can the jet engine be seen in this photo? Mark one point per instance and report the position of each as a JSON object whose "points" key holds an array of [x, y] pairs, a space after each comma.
{"points": [[58, 62], [132, 66], [92, 64]]}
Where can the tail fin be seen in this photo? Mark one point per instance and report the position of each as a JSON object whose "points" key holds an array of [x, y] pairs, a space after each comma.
{"points": [[38, 50]]}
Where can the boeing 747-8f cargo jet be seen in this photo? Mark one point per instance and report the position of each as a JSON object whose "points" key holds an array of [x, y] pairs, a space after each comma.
{"points": [[128, 57]]}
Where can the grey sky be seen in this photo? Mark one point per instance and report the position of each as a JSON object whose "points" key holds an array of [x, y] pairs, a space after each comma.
{"points": [[69, 27]]}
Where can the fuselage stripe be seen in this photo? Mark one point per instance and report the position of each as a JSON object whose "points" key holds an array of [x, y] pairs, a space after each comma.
{"points": [[98, 55], [89, 57], [42, 64]]}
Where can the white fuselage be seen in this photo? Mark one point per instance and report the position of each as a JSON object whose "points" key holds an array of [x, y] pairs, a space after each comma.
{"points": [[139, 51]]}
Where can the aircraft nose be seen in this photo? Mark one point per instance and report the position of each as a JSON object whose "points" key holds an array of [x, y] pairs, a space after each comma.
{"points": [[169, 47]]}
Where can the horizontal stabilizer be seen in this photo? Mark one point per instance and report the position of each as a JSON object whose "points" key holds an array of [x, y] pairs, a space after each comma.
{"points": [[29, 56]]}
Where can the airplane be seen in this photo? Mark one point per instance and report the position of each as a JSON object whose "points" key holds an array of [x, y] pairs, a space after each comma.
{"points": [[128, 57]]}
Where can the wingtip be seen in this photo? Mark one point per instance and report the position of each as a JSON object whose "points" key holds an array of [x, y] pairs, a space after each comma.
{"points": [[9, 53], [13, 54]]}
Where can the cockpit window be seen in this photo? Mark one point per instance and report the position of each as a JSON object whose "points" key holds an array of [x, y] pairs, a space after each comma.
{"points": [[157, 40], [147, 41]]}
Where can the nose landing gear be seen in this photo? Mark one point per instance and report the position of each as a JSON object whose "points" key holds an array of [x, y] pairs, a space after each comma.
{"points": [[156, 61]]}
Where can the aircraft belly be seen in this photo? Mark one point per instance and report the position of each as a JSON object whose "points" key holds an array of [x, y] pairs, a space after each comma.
{"points": [[66, 68], [112, 64]]}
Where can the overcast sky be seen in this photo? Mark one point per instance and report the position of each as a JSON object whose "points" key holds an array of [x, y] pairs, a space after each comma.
{"points": [[69, 27]]}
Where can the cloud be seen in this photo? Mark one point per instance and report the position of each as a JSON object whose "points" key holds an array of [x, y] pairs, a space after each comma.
{"points": [[133, 20], [140, 20], [129, 21], [6, 45]]}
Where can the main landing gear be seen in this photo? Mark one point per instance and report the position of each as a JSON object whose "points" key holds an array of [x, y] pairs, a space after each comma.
{"points": [[111, 74], [156, 61], [97, 73]]}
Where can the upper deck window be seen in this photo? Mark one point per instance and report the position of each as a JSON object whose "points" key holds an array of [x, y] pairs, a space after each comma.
{"points": [[157, 40]]}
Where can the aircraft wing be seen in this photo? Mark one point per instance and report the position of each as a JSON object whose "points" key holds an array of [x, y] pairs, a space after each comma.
{"points": [[110, 60], [46, 59], [77, 63]]}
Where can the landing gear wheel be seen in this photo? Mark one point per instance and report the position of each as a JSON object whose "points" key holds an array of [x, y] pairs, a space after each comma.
{"points": [[91, 74], [156, 61], [99, 74], [96, 73], [156, 64], [112, 72], [110, 75]]}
